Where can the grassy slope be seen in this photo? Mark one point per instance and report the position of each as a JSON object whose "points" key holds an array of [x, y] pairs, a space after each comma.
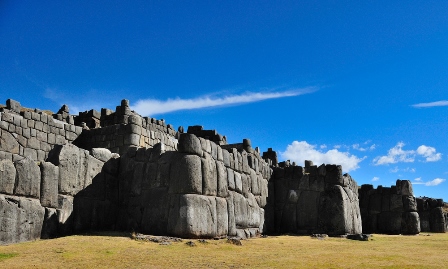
{"points": [[272, 252]]}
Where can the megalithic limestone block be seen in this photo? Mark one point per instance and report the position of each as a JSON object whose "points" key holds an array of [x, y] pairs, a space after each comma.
{"points": [[404, 187], [222, 215], [21, 219], [209, 176], [336, 212], [192, 216], [8, 143], [28, 178], [189, 143], [410, 223], [230, 179], [72, 163], [231, 214], [49, 185], [7, 176], [222, 186], [241, 210], [186, 175]]}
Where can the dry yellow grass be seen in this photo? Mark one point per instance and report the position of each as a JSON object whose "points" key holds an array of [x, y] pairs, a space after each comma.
{"points": [[119, 251]]}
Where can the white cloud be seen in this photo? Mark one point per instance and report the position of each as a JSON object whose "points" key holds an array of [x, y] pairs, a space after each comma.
{"points": [[429, 153], [375, 179], [154, 106], [407, 169], [395, 155], [432, 104], [301, 151], [323, 146], [435, 182], [394, 170], [367, 148]]}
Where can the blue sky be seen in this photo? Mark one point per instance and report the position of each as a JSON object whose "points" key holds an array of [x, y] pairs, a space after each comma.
{"points": [[359, 83]]}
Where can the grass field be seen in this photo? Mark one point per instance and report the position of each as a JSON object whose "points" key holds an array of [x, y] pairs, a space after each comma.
{"points": [[120, 251]]}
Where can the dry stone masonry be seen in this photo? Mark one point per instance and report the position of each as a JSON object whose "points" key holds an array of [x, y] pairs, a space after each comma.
{"points": [[432, 217], [116, 170], [312, 200], [389, 210]]}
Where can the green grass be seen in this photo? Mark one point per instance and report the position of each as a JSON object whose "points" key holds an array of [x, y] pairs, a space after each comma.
{"points": [[4, 256], [119, 251]]}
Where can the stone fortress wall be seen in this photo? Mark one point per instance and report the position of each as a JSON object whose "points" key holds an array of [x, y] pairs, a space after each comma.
{"points": [[311, 199], [115, 170], [389, 210], [432, 217]]}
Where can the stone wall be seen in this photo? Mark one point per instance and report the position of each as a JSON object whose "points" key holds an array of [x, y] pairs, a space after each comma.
{"points": [[432, 217], [115, 170], [200, 191], [49, 199], [312, 199], [26, 133], [122, 129], [389, 210]]}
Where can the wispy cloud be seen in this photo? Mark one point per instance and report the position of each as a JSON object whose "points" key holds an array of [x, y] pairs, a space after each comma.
{"points": [[397, 154], [154, 106], [431, 183], [365, 148], [431, 104], [375, 179], [301, 151], [435, 182]]}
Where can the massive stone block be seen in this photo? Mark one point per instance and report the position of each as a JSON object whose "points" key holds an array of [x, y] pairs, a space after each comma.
{"points": [[437, 220], [21, 219], [410, 223], [222, 224], [192, 216], [231, 179], [64, 213], [186, 175], [338, 213], [253, 212], [72, 163], [49, 185], [209, 176], [241, 211], [189, 143], [231, 214], [404, 187], [28, 178], [7, 176], [8, 143], [222, 186]]}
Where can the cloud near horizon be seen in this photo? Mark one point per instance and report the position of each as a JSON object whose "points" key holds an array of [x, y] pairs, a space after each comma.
{"points": [[153, 106], [397, 154], [301, 151], [434, 182], [431, 104]]}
